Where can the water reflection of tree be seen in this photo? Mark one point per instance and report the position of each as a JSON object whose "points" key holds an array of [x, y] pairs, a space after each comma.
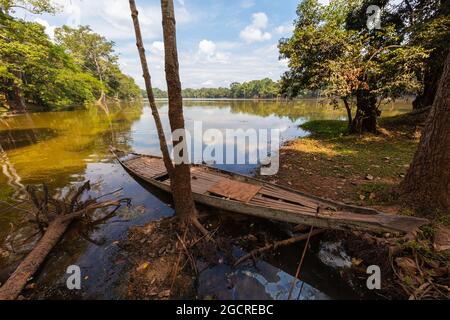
{"points": [[14, 181], [293, 110], [81, 136]]}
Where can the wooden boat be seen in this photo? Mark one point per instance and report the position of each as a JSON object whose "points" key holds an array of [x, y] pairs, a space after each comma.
{"points": [[245, 195]]}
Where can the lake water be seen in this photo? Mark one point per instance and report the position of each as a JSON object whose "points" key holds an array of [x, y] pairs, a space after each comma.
{"points": [[66, 148]]}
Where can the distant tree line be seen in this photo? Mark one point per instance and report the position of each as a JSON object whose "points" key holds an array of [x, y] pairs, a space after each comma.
{"points": [[256, 89], [77, 68]]}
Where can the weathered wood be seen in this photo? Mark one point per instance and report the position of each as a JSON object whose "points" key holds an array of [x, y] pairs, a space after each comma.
{"points": [[149, 88], [56, 229], [281, 204], [28, 267], [235, 190]]}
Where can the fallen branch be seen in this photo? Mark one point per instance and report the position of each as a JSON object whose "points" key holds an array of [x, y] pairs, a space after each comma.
{"points": [[19, 279], [277, 245], [56, 229]]}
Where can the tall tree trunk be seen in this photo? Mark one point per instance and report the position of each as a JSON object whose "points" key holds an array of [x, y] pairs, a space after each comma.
{"points": [[367, 113], [148, 86], [349, 112], [432, 77], [181, 178], [427, 183], [179, 174]]}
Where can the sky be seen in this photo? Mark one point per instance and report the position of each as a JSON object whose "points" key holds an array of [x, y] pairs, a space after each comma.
{"points": [[219, 41]]}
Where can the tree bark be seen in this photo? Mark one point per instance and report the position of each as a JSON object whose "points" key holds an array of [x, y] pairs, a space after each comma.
{"points": [[367, 113], [432, 77], [427, 184], [181, 178], [349, 112], [149, 88]]}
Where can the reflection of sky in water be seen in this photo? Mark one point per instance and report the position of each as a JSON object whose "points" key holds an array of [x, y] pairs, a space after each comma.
{"points": [[145, 138], [260, 282], [280, 289]]}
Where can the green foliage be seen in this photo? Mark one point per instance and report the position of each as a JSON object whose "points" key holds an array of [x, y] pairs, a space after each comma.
{"points": [[256, 89], [325, 129], [33, 6], [326, 54], [46, 74], [95, 54]]}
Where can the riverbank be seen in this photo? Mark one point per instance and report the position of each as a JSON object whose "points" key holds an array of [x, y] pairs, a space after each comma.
{"points": [[366, 171]]}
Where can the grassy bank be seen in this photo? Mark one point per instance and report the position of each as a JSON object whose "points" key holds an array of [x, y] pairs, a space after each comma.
{"points": [[350, 168]]}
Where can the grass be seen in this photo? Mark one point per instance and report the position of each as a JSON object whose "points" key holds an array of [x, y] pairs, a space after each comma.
{"points": [[375, 193], [326, 128], [357, 169], [382, 156]]}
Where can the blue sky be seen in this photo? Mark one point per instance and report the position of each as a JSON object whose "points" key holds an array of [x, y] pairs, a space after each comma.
{"points": [[219, 41]]}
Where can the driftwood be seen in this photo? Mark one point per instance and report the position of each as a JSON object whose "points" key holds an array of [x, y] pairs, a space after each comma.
{"points": [[56, 222], [277, 245]]}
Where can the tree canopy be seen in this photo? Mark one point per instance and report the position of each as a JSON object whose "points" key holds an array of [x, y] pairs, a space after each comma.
{"points": [[36, 71], [33, 6], [95, 54], [336, 53]]}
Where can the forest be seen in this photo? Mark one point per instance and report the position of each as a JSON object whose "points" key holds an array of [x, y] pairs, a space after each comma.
{"points": [[77, 68], [256, 89]]}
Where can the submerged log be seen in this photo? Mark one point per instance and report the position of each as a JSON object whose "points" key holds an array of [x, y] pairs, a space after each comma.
{"points": [[63, 216], [28, 267]]}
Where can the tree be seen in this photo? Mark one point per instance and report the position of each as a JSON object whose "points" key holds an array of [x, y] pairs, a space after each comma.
{"points": [[33, 70], [427, 183], [343, 59], [33, 6], [181, 177], [90, 50], [97, 56], [427, 22], [179, 174]]}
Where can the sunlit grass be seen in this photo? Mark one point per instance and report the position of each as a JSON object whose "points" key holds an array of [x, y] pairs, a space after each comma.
{"points": [[382, 156]]}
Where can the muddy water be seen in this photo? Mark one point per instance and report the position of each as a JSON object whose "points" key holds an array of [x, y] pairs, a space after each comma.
{"points": [[67, 148]]}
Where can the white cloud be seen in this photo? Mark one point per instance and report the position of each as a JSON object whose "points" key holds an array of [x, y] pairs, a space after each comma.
{"points": [[207, 47], [157, 47], [247, 4], [49, 29], [207, 52], [242, 66], [285, 29], [255, 32], [260, 20], [112, 19]]}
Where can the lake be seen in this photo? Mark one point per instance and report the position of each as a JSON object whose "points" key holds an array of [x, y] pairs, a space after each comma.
{"points": [[66, 148]]}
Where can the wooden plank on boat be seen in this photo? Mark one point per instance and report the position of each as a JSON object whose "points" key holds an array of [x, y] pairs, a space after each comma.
{"points": [[288, 197], [235, 190], [146, 166]]}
